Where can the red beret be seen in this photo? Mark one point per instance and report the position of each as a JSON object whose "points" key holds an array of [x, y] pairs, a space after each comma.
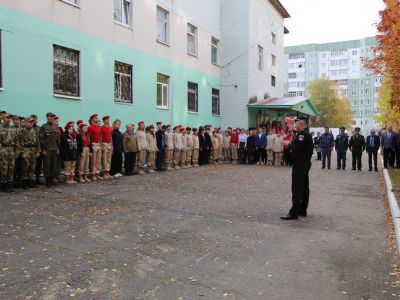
{"points": [[69, 124], [151, 126], [93, 116], [105, 118], [141, 123], [82, 125], [182, 129], [79, 122], [158, 123], [168, 126]]}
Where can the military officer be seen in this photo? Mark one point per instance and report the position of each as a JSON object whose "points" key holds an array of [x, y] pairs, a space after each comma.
{"points": [[39, 159], [9, 148], [302, 150], [357, 146], [31, 150], [50, 147], [341, 146]]}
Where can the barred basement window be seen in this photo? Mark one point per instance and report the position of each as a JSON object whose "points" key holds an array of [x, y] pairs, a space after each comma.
{"points": [[215, 102], [66, 75], [193, 97], [122, 83]]}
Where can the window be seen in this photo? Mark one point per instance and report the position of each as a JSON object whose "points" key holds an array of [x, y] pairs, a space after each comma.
{"points": [[273, 80], [292, 75], [366, 92], [273, 38], [273, 60], [323, 55], [162, 90], [162, 25], [73, 2], [193, 97], [354, 82], [192, 39], [122, 12], [260, 62], [296, 56], [214, 50], [215, 102], [354, 93], [66, 71], [354, 52], [338, 53], [122, 83], [366, 81], [323, 65]]}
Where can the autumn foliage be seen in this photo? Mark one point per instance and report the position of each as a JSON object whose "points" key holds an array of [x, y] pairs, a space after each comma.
{"points": [[386, 61]]}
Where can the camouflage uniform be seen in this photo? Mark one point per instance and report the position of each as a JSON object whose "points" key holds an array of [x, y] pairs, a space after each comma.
{"points": [[18, 156], [31, 149], [49, 142], [8, 151]]}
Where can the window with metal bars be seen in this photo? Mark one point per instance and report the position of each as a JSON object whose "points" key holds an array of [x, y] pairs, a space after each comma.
{"points": [[215, 102], [193, 97], [66, 75], [123, 83]]}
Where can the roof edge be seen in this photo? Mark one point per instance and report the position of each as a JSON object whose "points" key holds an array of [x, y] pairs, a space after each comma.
{"points": [[280, 8]]}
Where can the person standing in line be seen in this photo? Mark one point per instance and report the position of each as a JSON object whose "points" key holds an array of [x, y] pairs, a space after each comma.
{"points": [[261, 143], [327, 143], [16, 126], [215, 147], [184, 148], [372, 147], [117, 149], [142, 146], [242, 146], [161, 146], [152, 149], [39, 159], [196, 146], [397, 149], [278, 149], [388, 146], [84, 160], [50, 146], [69, 152], [341, 146], [302, 150], [202, 146], [221, 145], [159, 126], [177, 147], [251, 147], [270, 147], [287, 155], [317, 145], [227, 147], [234, 146], [94, 132], [357, 146], [130, 147], [170, 148], [209, 148], [106, 147], [189, 149]]}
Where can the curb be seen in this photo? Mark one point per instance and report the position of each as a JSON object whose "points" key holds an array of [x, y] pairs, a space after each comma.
{"points": [[394, 207]]}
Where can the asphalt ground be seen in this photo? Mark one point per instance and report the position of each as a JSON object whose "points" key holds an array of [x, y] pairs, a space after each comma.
{"points": [[203, 233]]}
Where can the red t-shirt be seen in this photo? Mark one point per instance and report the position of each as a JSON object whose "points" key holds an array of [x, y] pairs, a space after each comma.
{"points": [[85, 140], [234, 139], [106, 134], [286, 141], [94, 133]]}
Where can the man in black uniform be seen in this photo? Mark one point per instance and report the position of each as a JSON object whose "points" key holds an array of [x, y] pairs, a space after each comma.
{"points": [[161, 145], [302, 150], [357, 147]]}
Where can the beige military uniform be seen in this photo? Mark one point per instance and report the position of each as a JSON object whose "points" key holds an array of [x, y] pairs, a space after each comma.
{"points": [[142, 148], [226, 144], [189, 150], [270, 148], [169, 151], [220, 147], [195, 152], [215, 149], [278, 149], [183, 150], [177, 137], [151, 150]]}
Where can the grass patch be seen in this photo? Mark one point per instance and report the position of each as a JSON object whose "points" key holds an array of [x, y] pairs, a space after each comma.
{"points": [[395, 177]]}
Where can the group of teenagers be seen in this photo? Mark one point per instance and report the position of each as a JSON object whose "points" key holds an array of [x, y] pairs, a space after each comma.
{"points": [[98, 149]]}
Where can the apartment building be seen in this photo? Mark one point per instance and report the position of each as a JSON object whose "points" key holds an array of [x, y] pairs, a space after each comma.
{"points": [[342, 63], [139, 60]]}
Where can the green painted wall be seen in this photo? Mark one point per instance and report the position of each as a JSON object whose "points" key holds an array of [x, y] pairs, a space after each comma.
{"points": [[27, 53]]}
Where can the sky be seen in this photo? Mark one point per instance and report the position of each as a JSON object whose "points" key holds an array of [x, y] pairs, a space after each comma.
{"points": [[323, 21]]}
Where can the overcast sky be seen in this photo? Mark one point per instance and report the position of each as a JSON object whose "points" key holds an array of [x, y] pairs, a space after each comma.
{"points": [[322, 21]]}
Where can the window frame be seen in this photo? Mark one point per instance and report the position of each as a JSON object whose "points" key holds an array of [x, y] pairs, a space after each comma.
{"points": [[215, 45], [166, 22], [260, 58], [121, 23], [167, 85], [72, 2], [218, 113], [63, 94], [273, 80], [273, 38], [196, 99], [120, 101], [195, 38]]}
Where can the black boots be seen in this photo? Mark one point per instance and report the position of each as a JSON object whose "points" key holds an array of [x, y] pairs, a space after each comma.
{"points": [[49, 181], [7, 187]]}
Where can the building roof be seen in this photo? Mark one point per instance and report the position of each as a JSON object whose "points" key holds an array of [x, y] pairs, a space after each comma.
{"points": [[300, 105], [280, 8]]}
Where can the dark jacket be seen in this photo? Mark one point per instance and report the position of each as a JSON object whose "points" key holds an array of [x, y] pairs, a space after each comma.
{"points": [[302, 147], [117, 141], [327, 141], [69, 148], [261, 142], [376, 143], [208, 141], [202, 142], [251, 143], [161, 142], [357, 143], [342, 142]]}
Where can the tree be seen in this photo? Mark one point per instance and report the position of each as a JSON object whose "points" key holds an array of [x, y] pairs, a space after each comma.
{"points": [[389, 114], [386, 60], [334, 112]]}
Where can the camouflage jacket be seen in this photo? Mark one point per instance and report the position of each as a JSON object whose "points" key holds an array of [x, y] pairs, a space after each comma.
{"points": [[18, 132], [30, 139], [8, 138], [49, 138]]}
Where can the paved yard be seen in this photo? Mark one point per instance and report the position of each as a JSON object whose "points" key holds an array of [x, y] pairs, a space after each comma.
{"points": [[206, 233]]}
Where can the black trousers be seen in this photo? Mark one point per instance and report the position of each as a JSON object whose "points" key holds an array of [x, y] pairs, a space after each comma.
{"points": [[372, 153], [242, 153], [300, 187], [160, 159], [341, 159], [130, 161], [356, 159], [116, 163], [287, 157], [388, 157], [202, 157], [319, 155], [261, 155], [38, 167]]}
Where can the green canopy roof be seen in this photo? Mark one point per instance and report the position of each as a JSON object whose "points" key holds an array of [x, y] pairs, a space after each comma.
{"points": [[300, 105]]}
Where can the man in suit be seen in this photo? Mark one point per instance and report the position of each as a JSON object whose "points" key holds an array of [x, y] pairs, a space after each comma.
{"points": [[261, 143], [327, 144], [202, 146], [372, 148], [161, 145], [388, 145], [357, 146], [341, 146]]}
